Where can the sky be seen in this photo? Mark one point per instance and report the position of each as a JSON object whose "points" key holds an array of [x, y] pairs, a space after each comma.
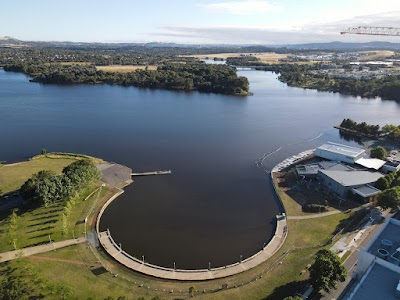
{"points": [[270, 22]]}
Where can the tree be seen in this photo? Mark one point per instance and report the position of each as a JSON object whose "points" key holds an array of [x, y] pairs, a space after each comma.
{"points": [[12, 288], [293, 298], [379, 152], [389, 198], [44, 151], [382, 184], [326, 271]]}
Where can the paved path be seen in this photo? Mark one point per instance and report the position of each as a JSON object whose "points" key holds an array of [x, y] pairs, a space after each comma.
{"points": [[10, 255], [329, 213], [135, 264]]}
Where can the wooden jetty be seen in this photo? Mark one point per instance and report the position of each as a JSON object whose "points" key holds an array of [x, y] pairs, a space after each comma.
{"points": [[152, 173]]}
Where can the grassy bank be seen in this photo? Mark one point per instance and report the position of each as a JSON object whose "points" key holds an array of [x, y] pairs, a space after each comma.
{"points": [[13, 176]]}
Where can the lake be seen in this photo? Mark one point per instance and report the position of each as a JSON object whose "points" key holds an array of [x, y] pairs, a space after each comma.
{"points": [[217, 204]]}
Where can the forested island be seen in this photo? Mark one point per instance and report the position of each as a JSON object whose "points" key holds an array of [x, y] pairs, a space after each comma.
{"points": [[194, 76]]}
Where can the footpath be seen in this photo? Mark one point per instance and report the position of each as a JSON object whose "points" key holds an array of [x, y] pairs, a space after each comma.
{"points": [[24, 252]]}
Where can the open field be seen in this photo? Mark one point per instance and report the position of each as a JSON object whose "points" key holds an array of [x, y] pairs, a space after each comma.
{"points": [[377, 55], [13, 176], [269, 57], [124, 69]]}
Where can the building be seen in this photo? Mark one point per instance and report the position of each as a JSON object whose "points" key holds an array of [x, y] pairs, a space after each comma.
{"points": [[377, 275], [338, 152], [341, 182]]}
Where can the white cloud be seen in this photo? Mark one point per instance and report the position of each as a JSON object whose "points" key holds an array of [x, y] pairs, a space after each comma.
{"points": [[306, 33], [248, 7]]}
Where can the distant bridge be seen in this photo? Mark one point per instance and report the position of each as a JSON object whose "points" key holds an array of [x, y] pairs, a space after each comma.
{"points": [[152, 173]]}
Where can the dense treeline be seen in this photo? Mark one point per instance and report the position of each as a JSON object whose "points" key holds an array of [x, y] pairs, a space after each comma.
{"points": [[390, 131], [46, 187], [387, 87], [362, 127], [244, 61], [120, 54], [175, 76]]}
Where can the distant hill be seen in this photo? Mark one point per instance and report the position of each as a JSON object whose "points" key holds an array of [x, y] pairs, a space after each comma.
{"points": [[8, 41], [348, 46]]}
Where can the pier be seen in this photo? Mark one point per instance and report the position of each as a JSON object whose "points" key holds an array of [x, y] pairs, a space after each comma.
{"points": [[152, 173]]}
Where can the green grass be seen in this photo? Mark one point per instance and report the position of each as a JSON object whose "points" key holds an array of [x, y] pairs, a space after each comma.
{"points": [[13, 176], [35, 225]]}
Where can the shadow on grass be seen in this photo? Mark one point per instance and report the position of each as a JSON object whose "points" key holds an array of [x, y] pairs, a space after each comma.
{"points": [[46, 217], [43, 223], [38, 243], [289, 289], [41, 229], [40, 235], [48, 212]]}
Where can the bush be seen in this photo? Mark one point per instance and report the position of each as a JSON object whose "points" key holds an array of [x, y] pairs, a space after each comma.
{"points": [[314, 208]]}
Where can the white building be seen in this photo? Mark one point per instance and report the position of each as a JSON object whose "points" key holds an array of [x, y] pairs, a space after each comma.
{"points": [[338, 152]]}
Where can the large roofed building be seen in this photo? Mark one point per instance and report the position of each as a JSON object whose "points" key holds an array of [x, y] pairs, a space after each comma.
{"points": [[341, 182], [338, 152]]}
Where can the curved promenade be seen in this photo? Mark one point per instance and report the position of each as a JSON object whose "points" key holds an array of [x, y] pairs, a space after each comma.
{"points": [[115, 251]]}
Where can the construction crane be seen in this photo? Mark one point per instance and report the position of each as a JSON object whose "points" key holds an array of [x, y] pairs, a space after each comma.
{"points": [[388, 31]]}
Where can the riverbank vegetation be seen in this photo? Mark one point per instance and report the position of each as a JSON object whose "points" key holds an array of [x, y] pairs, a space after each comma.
{"points": [[390, 131], [387, 87], [194, 76]]}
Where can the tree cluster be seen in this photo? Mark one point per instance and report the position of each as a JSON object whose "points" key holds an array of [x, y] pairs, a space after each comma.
{"points": [[379, 153], [387, 87], [326, 271], [390, 198], [390, 180], [363, 127], [174, 76], [46, 187], [390, 131]]}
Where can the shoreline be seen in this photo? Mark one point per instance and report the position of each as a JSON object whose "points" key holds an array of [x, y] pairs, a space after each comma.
{"points": [[116, 252]]}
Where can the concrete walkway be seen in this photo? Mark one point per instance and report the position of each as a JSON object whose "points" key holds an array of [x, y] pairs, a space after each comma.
{"points": [[10, 255], [166, 273], [329, 213]]}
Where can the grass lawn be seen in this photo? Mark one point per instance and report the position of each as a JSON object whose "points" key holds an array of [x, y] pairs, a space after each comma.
{"points": [[13, 176], [37, 225]]}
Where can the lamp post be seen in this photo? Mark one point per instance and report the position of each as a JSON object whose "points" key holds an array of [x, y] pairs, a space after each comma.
{"points": [[241, 258], [174, 266], [143, 258]]}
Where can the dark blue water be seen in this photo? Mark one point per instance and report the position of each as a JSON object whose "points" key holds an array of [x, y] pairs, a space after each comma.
{"points": [[217, 205]]}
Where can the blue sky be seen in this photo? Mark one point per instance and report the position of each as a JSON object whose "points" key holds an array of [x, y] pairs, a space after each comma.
{"points": [[190, 21]]}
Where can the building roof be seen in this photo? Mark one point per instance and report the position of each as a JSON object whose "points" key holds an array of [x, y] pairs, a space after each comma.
{"points": [[378, 283], [390, 232], [352, 178], [305, 170], [341, 149], [370, 163], [366, 191]]}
